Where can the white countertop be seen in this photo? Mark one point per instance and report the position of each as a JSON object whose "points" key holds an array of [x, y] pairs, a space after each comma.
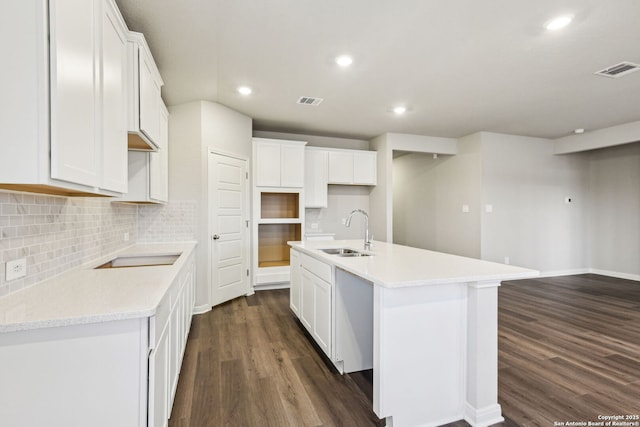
{"points": [[396, 266], [85, 295]]}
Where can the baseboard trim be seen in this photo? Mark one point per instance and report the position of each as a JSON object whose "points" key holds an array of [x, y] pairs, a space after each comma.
{"points": [[615, 274], [270, 287], [571, 272], [483, 417], [201, 309]]}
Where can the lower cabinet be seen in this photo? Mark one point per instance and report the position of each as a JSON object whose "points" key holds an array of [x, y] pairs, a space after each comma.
{"points": [[315, 287], [173, 320], [116, 373], [296, 282]]}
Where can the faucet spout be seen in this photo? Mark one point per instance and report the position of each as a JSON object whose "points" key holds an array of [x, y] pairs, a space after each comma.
{"points": [[367, 236]]}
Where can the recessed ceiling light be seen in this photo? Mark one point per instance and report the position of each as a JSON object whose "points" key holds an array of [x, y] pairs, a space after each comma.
{"points": [[399, 110], [344, 60], [244, 90], [559, 22]]}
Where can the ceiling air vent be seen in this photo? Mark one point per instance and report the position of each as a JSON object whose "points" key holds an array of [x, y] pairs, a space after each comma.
{"points": [[619, 70], [307, 100]]}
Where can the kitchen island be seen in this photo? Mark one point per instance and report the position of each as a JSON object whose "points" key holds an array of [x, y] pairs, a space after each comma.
{"points": [[424, 321]]}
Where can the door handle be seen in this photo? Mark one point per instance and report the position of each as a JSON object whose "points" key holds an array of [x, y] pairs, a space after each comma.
{"points": [[215, 237]]}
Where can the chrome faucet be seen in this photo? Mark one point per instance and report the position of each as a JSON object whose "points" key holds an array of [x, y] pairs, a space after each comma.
{"points": [[367, 237]]}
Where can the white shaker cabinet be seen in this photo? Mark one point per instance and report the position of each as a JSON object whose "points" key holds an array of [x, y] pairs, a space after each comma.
{"points": [[316, 300], [149, 171], [296, 282], [63, 119], [316, 178], [352, 167], [144, 85], [279, 163]]}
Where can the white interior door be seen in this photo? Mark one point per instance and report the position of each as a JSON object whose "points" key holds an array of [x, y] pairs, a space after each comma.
{"points": [[228, 226]]}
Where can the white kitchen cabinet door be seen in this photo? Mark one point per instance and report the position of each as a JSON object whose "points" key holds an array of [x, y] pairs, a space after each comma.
{"points": [[296, 282], [340, 167], [159, 382], [159, 161], [278, 163], [307, 300], [267, 164], [292, 166], [352, 167], [322, 314], [364, 167], [149, 98], [73, 74], [316, 178], [174, 350], [114, 101]]}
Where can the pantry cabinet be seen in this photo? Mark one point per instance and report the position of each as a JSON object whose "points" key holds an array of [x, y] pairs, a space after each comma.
{"points": [[278, 208], [64, 109], [279, 163]]}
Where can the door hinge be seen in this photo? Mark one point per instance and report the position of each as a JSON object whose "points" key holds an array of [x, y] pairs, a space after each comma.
{"points": [[247, 223], [246, 175], [247, 272]]}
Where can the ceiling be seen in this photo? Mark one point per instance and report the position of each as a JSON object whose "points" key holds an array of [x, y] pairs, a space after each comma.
{"points": [[459, 66]]}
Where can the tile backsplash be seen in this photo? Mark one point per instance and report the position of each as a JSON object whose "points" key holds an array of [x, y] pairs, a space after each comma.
{"points": [[56, 234], [175, 221]]}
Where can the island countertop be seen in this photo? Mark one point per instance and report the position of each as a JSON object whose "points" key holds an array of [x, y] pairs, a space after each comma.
{"points": [[86, 295], [396, 266]]}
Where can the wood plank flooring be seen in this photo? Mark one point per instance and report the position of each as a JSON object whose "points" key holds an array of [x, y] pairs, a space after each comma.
{"points": [[569, 350]]}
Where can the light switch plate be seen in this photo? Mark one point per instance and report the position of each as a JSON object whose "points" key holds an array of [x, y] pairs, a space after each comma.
{"points": [[465, 208]]}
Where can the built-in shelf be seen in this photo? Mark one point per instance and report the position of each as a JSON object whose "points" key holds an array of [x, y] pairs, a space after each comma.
{"points": [[273, 250], [279, 205]]}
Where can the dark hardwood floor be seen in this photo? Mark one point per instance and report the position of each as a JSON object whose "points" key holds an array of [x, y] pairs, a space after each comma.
{"points": [[569, 350]]}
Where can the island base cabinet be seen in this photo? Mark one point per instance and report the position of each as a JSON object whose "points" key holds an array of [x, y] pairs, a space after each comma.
{"points": [[296, 282], [159, 383], [75, 376], [316, 301], [419, 354]]}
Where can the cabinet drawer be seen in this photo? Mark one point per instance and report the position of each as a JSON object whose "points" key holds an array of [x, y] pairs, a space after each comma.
{"points": [[318, 268]]}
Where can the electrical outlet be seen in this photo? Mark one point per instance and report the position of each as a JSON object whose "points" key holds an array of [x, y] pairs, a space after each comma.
{"points": [[125, 237], [507, 260], [16, 269]]}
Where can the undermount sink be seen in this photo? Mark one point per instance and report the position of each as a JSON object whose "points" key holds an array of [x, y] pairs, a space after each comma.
{"points": [[140, 261], [344, 252]]}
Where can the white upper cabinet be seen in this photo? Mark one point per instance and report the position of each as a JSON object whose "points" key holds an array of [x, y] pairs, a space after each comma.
{"points": [[316, 177], [74, 92], [63, 127], [114, 101], [352, 167], [144, 86], [149, 171], [279, 163], [159, 161]]}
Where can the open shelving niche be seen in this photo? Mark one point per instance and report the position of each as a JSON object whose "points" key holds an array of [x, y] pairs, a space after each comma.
{"points": [[280, 220]]}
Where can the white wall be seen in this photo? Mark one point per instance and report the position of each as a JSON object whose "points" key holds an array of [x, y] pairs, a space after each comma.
{"points": [[526, 184], [382, 194], [193, 129], [614, 220], [428, 195]]}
